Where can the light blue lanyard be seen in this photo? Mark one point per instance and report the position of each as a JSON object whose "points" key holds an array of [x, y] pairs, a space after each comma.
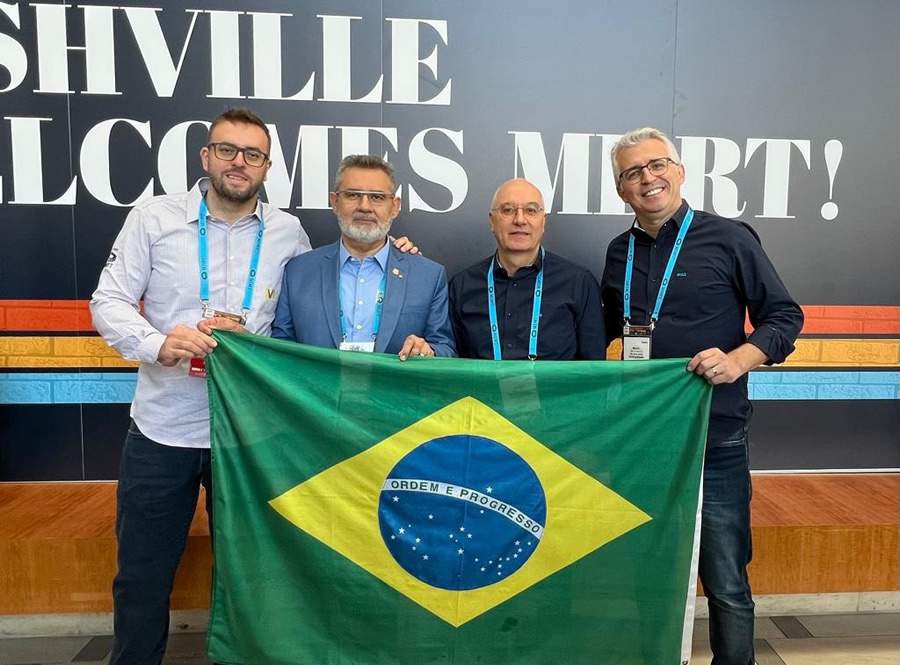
{"points": [[535, 311], [204, 261], [670, 266], [379, 305]]}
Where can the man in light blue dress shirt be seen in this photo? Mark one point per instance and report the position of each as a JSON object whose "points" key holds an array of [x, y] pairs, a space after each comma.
{"points": [[360, 293]]}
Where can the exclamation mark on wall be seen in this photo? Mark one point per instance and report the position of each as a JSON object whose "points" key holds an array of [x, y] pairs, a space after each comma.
{"points": [[833, 151]]}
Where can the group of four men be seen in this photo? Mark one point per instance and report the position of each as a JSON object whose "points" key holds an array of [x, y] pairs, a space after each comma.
{"points": [[219, 257]]}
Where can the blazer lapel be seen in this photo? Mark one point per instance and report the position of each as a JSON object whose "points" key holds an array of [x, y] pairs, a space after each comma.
{"points": [[394, 297], [331, 292]]}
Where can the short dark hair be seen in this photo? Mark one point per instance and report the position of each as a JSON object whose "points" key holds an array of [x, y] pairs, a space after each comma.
{"points": [[241, 115], [365, 162]]}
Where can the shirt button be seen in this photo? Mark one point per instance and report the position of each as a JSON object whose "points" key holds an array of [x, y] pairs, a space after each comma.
{"points": [[231, 258], [362, 280], [359, 302], [232, 283], [359, 326]]}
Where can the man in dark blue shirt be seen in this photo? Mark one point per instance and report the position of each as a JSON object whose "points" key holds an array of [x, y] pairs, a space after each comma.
{"points": [[691, 281], [523, 301]]}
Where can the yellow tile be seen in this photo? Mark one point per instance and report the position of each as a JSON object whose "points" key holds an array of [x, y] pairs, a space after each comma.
{"points": [[52, 361], [118, 361], [614, 350], [82, 346], [860, 352], [25, 346], [807, 350]]}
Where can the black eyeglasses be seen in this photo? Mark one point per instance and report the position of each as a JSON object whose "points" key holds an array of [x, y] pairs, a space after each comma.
{"points": [[656, 166], [227, 153]]}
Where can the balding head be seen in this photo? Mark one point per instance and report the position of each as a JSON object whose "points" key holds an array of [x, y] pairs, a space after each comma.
{"points": [[520, 187]]}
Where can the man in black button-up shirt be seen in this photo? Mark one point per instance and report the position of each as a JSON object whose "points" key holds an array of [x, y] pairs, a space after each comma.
{"points": [[721, 275], [570, 325]]}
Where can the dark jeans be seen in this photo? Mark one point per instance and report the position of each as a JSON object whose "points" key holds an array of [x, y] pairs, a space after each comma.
{"points": [[156, 499], [726, 550]]}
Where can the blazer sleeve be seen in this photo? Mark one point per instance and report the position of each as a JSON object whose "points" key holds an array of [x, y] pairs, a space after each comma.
{"points": [[438, 330], [283, 325]]}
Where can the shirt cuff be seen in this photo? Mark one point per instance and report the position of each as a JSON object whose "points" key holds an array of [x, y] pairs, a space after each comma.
{"points": [[771, 342], [148, 351]]}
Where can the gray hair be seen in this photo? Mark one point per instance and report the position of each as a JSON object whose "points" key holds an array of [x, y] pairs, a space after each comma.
{"points": [[633, 138], [365, 162]]}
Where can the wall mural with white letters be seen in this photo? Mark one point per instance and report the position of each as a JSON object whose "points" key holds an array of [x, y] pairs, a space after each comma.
{"points": [[784, 117]]}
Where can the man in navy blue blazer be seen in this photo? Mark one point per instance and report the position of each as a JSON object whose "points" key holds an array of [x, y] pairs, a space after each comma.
{"points": [[360, 293]]}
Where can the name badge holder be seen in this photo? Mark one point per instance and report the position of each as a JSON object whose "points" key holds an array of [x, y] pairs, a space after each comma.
{"points": [[364, 347], [198, 365], [535, 312], [637, 340]]}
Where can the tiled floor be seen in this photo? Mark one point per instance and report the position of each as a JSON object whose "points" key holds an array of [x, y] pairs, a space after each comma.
{"points": [[838, 639]]}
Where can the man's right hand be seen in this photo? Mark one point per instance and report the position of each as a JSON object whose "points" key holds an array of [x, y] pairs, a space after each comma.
{"points": [[184, 342]]}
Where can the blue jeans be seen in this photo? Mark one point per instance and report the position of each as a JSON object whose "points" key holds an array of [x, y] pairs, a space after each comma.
{"points": [[726, 550], [156, 499]]}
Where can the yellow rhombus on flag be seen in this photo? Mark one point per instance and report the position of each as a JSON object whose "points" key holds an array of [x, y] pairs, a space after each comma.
{"points": [[340, 508]]}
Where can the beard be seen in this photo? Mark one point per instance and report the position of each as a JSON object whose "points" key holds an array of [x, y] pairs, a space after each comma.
{"points": [[365, 233], [230, 193]]}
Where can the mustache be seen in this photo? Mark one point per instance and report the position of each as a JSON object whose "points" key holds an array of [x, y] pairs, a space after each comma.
{"points": [[365, 218]]}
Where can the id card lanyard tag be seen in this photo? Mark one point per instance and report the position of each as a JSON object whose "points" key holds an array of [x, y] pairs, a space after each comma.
{"points": [[636, 340], [365, 347], [197, 366]]}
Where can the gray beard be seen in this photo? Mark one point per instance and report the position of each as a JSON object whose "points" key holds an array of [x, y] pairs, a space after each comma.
{"points": [[365, 234]]}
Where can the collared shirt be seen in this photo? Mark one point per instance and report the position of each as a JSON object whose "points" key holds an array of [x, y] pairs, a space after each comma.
{"points": [[571, 323], [360, 282], [154, 259], [721, 275]]}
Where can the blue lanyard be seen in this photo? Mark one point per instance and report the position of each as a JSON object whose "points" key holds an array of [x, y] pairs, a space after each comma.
{"points": [[535, 311], [379, 305], [670, 266], [204, 260]]}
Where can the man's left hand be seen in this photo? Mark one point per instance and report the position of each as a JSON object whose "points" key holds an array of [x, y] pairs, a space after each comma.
{"points": [[415, 346], [717, 367], [405, 245], [206, 326]]}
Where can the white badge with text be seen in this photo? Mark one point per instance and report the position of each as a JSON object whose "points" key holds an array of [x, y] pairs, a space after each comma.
{"points": [[636, 342], [365, 347]]}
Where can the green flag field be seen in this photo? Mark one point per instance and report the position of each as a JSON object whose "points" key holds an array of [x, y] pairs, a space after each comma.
{"points": [[369, 511]]}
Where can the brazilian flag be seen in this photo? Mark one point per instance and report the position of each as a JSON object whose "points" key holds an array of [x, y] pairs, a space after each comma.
{"points": [[442, 511]]}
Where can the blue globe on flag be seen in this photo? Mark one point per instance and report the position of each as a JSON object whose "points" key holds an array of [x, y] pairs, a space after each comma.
{"points": [[462, 512]]}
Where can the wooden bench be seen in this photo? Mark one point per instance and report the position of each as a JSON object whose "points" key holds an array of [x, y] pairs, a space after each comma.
{"points": [[812, 534]]}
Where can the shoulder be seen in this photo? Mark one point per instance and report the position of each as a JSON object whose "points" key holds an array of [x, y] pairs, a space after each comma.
{"points": [[418, 263], [311, 260], [276, 217], [567, 268], [476, 272], [163, 205], [733, 231]]}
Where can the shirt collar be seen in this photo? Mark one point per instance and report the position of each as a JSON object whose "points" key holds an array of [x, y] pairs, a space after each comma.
{"points": [[381, 258], [538, 262], [676, 220], [196, 194]]}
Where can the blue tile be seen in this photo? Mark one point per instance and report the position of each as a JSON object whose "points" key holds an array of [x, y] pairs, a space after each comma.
{"points": [[819, 378], [856, 392], [768, 376], [782, 391]]}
